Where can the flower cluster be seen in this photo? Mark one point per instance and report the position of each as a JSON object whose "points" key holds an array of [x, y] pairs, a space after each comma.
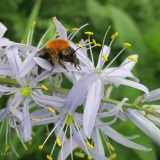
{"points": [[77, 114]]}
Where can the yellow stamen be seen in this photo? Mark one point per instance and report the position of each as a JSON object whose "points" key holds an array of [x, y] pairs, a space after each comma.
{"points": [[79, 45], [66, 29], [133, 59], [94, 42], [40, 147], [30, 142], [25, 147], [33, 133], [114, 35], [79, 154], [90, 33], [89, 145], [74, 29], [52, 110], [33, 24], [104, 57], [37, 75], [44, 87], [87, 40], [14, 108], [112, 156], [58, 141], [89, 157], [98, 45], [110, 146], [6, 149], [127, 44], [49, 157], [35, 119]]}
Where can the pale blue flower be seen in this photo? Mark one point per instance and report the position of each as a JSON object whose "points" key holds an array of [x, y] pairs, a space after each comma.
{"points": [[144, 124]]}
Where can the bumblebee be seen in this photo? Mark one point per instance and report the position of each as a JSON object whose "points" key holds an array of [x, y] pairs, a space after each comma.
{"points": [[58, 50]]}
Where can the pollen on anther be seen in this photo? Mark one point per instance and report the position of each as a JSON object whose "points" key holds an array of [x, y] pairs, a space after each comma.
{"points": [[127, 44], [74, 29], [49, 157], [79, 154], [133, 59], [94, 42], [66, 29], [89, 33], [112, 156], [114, 35], [35, 119], [89, 157], [6, 149], [89, 145], [104, 57], [25, 147], [33, 24], [110, 146], [44, 87], [52, 110], [40, 147], [79, 45], [87, 40], [98, 45], [58, 141]]}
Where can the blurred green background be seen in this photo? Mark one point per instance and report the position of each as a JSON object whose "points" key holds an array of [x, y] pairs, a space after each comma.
{"points": [[138, 22]]}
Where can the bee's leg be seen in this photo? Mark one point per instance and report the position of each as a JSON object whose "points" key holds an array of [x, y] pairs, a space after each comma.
{"points": [[77, 66], [62, 64]]}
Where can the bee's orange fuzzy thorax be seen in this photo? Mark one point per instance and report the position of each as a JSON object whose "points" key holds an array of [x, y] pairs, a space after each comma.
{"points": [[58, 45]]}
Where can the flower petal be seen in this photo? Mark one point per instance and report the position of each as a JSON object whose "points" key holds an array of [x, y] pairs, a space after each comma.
{"points": [[91, 107], [48, 100], [2, 30], [144, 124], [27, 64], [120, 139], [60, 29], [6, 70], [78, 92]]}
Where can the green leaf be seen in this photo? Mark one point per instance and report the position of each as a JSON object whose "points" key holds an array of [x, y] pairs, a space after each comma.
{"points": [[152, 38]]}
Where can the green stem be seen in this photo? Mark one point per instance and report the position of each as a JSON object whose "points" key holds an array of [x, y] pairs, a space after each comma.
{"points": [[52, 88]]}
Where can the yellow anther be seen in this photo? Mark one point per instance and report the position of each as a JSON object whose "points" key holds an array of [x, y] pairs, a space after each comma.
{"points": [[33, 133], [110, 146], [87, 40], [89, 157], [104, 57], [14, 108], [37, 75], [30, 142], [25, 147], [112, 156], [40, 147], [133, 59], [67, 29], [94, 42], [58, 141], [52, 110], [22, 41], [79, 154], [127, 44], [90, 33], [49, 157], [35, 119], [33, 24], [114, 35], [57, 34], [89, 145], [98, 45], [79, 45], [74, 29], [44, 87], [6, 149]]}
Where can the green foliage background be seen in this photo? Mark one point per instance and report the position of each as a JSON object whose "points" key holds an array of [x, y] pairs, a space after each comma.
{"points": [[138, 22]]}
